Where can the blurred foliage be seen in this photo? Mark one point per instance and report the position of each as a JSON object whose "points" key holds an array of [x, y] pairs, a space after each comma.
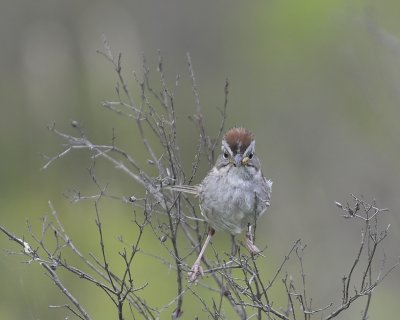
{"points": [[317, 82]]}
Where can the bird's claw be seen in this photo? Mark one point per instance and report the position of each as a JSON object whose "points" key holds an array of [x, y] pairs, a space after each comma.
{"points": [[195, 273], [250, 244]]}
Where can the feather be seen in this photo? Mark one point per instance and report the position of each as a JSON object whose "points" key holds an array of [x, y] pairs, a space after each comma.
{"points": [[238, 139], [186, 189]]}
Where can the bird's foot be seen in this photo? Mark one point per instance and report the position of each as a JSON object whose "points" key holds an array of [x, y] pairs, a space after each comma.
{"points": [[250, 244], [195, 273]]}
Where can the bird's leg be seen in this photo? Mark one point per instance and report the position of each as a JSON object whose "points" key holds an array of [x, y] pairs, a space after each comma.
{"points": [[197, 271], [249, 241], [234, 247]]}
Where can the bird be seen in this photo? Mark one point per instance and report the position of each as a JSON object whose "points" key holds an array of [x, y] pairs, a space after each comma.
{"points": [[234, 193]]}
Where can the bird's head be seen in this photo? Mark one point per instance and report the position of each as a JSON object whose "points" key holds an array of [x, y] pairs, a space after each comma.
{"points": [[238, 147]]}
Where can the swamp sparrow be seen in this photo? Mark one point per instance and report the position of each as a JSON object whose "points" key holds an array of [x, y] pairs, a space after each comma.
{"points": [[233, 194]]}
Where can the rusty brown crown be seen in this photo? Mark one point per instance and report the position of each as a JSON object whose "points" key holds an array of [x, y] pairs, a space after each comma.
{"points": [[238, 139]]}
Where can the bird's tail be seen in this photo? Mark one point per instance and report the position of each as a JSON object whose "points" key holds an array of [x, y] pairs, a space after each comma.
{"points": [[186, 189]]}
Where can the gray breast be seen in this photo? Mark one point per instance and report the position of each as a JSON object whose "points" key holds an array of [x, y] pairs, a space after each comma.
{"points": [[232, 197]]}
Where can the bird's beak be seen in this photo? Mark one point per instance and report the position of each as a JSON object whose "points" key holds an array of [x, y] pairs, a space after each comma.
{"points": [[238, 160]]}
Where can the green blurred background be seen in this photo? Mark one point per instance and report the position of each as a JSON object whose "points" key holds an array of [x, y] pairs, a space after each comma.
{"points": [[316, 81]]}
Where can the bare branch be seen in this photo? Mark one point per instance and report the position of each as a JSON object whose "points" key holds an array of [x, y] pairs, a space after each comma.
{"points": [[237, 281]]}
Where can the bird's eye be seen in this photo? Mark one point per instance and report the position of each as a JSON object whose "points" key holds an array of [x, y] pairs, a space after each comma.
{"points": [[251, 155], [225, 155]]}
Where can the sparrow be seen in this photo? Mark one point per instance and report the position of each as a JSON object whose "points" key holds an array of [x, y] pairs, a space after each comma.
{"points": [[234, 194]]}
